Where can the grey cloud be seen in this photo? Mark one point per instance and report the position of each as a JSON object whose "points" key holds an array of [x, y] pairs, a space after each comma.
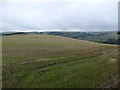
{"points": [[59, 16]]}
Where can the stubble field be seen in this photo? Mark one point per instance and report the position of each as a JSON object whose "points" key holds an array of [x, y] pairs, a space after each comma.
{"points": [[48, 61]]}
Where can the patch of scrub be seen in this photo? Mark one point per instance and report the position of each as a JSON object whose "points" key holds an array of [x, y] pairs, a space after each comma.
{"points": [[113, 60]]}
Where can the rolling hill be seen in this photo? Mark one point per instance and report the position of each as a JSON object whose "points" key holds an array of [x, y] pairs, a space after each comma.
{"points": [[108, 37], [100, 37], [49, 61]]}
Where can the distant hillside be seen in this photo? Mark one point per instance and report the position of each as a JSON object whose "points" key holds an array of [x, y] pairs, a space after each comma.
{"points": [[11, 33], [101, 37]]}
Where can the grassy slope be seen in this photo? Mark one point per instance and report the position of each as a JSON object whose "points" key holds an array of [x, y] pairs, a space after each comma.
{"points": [[55, 61]]}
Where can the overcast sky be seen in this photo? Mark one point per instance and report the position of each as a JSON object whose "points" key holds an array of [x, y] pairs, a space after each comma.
{"points": [[55, 16]]}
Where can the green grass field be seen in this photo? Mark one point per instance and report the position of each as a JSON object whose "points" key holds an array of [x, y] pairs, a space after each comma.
{"points": [[46, 61]]}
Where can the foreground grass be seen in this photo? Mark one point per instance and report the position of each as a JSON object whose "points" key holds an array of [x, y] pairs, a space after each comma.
{"points": [[45, 61]]}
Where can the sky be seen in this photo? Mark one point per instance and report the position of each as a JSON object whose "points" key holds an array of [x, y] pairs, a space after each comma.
{"points": [[68, 15]]}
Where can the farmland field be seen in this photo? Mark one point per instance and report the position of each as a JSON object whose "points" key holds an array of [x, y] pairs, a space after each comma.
{"points": [[49, 61]]}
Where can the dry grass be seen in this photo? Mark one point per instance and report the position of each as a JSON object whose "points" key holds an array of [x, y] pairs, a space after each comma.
{"points": [[41, 61]]}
